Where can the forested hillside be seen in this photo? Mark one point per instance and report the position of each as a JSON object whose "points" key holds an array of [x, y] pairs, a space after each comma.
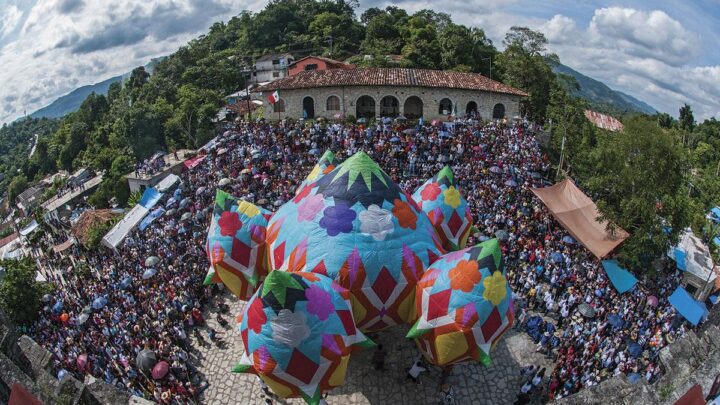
{"points": [[16, 142]]}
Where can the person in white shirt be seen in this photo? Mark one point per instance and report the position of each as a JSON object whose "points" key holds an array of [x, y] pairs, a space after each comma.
{"points": [[415, 370]]}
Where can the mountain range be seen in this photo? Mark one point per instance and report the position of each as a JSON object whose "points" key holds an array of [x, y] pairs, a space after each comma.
{"points": [[601, 97], [71, 102]]}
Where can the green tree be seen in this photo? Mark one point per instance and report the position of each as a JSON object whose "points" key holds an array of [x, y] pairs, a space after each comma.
{"points": [[18, 184], [527, 67], [687, 120], [665, 120], [346, 33], [192, 116], [640, 184], [382, 36], [422, 49], [20, 294]]}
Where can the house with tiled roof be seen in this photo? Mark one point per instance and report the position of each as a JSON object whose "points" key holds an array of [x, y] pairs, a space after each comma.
{"points": [[316, 63], [604, 121], [390, 92]]}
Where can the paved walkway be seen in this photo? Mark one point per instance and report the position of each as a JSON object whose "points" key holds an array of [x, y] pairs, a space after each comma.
{"points": [[473, 384]]}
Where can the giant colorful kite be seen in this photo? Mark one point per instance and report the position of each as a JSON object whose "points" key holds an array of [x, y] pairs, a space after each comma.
{"points": [[465, 305], [298, 332], [236, 244], [358, 227], [447, 209], [352, 240]]}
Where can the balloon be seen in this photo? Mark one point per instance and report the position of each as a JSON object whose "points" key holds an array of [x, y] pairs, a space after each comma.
{"points": [[64, 317], [465, 305], [298, 332], [448, 211], [236, 244], [358, 227]]}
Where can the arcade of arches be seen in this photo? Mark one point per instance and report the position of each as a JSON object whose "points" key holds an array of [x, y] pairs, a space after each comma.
{"points": [[383, 101]]}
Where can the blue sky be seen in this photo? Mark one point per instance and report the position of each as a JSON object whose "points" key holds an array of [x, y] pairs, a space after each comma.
{"points": [[662, 52]]}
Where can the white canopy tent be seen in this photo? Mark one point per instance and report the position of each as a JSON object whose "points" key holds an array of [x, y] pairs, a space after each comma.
{"points": [[118, 233], [167, 182]]}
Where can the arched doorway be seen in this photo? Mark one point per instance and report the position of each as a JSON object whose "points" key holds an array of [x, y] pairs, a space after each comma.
{"points": [[389, 107], [308, 107], [498, 111], [471, 108], [445, 107], [365, 107], [413, 108]]}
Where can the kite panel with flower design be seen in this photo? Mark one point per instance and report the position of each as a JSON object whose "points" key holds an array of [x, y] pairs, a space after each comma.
{"points": [[236, 244], [298, 332], [464, 304], [355, 225], [447, 209]]}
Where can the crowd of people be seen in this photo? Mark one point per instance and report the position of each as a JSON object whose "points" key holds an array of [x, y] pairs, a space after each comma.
{"points": [[495, 166]]}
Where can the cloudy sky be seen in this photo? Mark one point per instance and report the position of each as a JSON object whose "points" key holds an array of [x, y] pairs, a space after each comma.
{"points": [[662, 52]]}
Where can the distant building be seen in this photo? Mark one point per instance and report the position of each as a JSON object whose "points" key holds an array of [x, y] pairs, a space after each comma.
{"points": [[390, 92], [29, 198], [271, 67], [139, 181], [316, 63], [604, 121]]}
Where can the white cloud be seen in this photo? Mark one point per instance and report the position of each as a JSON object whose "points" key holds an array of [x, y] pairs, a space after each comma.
{"points": [[9, 20], [645, 54], [646, 34], [63, 44], [559, 29]]}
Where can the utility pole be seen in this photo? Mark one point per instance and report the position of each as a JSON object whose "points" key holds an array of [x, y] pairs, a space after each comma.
{"points": [[329, 39], [247, 74], [489, 59]]}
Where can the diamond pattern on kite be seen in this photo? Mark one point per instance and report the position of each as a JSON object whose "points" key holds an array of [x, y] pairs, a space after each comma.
{"points": [[297, 332], [462, 298], [301, 367], [359, 228], [236, 244], [440, 198], [384, 285]]}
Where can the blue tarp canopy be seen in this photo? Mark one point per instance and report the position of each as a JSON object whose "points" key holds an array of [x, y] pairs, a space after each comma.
{"points": [[687, 306], [150, 197], [716, 214], [716, 240], [155, 214], [621, 279]]}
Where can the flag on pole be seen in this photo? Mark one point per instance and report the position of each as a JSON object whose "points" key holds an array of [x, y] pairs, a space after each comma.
{"points": [[274, 97]]}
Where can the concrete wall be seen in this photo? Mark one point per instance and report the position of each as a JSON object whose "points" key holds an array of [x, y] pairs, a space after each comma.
{"points": [[430, 97]]}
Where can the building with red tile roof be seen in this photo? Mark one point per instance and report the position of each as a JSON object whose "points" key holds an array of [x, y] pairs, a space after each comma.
{"points": [[390, 92], [604, 121], [316, 63]]}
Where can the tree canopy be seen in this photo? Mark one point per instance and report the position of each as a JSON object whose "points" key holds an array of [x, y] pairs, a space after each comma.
{"points": [[20, 294]]}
